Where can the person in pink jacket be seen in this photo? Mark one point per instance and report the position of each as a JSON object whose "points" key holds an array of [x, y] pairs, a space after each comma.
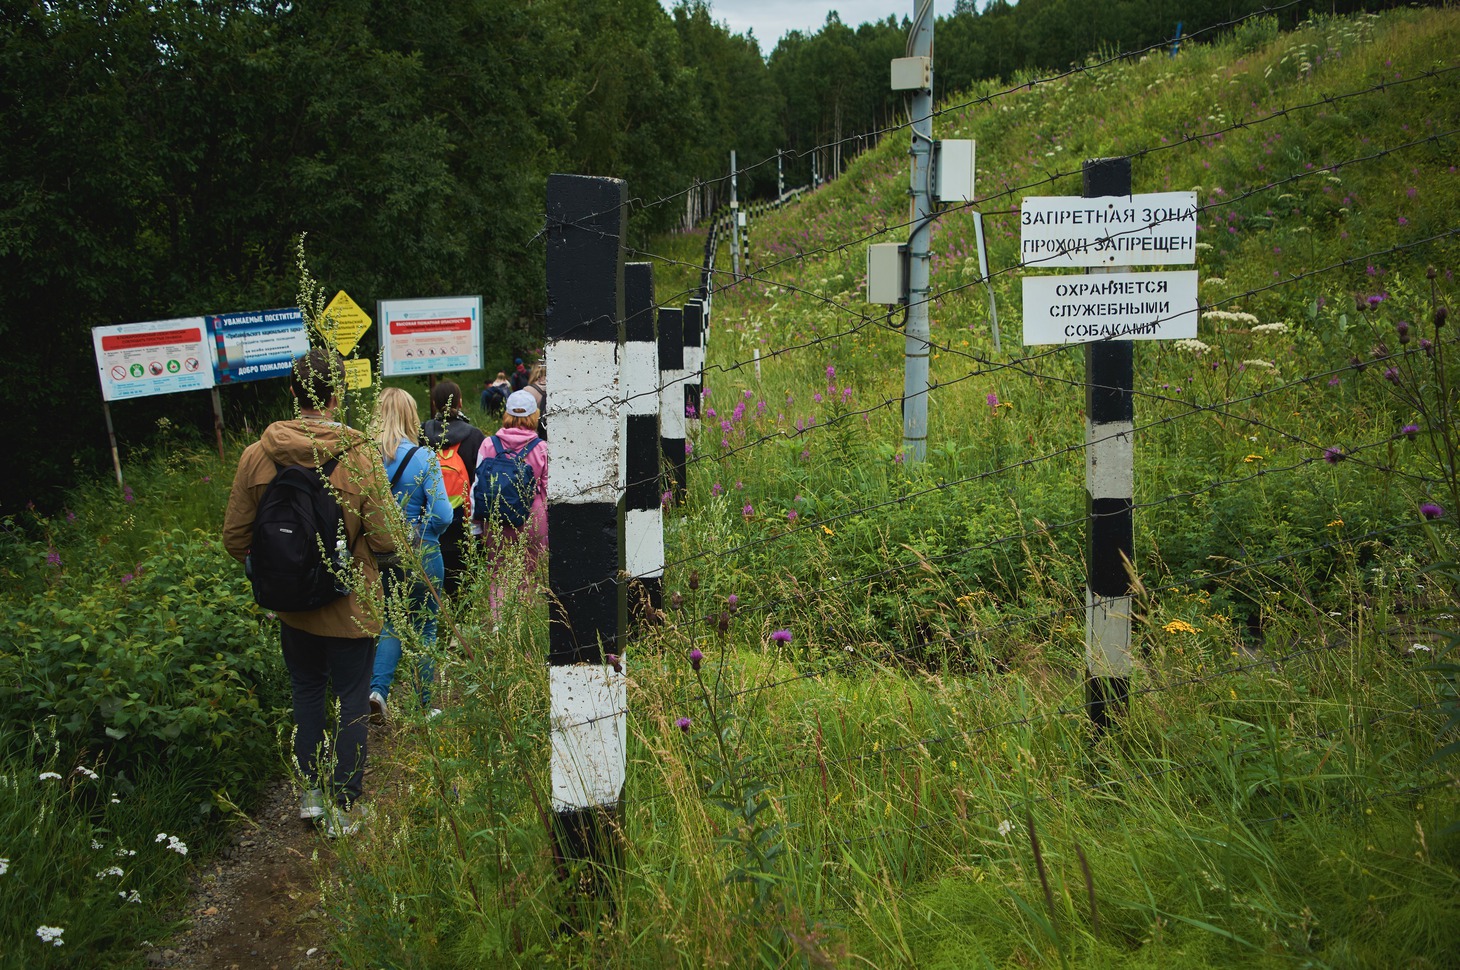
{"points": [[519, 430]]}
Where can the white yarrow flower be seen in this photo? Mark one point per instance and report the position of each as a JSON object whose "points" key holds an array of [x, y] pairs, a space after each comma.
{"points": [[1192, 344], [1005, 827], [1270, 328], [1264, 364], [95, 844], [110, 871], [4, 866], [49, 776], [83, 770], [50, 934], [131, 897]]}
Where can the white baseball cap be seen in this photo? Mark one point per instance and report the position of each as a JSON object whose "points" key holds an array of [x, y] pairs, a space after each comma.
{"points": [[521, 404]]}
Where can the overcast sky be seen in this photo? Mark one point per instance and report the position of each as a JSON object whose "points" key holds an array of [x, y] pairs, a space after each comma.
{"points": [[772, 18]]}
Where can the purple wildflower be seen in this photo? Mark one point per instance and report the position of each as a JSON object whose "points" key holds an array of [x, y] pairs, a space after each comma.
{"points": [[748, 511], [1391, 374], [1333, 455], [992, 399], [612, 659], [666, 500], [1334, 381], [1431, 511], [733, 602], [816, 397], [127, 495], [781, 636], [830, 371], [53, 558], [716, 489], [690, 412], [791, 516], [1426, 346], [689, 447], [70, 516], [696, 658], [897, 458], [1409, 431], [683, 724], [127, 578]]}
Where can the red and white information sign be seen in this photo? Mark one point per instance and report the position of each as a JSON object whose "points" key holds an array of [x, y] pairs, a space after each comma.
{"points": [[157, 357], [432, 335]]}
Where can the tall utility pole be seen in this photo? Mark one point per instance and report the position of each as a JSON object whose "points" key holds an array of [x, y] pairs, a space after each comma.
{"points": [[918, 334], [734, 219]]}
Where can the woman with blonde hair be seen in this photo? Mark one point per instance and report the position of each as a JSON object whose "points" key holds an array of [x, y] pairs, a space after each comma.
{"points": [[420, 491]]}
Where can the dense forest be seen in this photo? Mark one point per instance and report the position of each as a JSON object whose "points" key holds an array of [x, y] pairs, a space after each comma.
{"points": [[164, 156]]}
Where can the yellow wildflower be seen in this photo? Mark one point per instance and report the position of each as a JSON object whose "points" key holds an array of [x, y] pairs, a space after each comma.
{"points": [[827, 530], [1251, 458], [1335, 523], [1180, 626]]}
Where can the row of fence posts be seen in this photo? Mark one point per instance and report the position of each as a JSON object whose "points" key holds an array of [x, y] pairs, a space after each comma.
{"points": [[627, 383], [625, 376]]}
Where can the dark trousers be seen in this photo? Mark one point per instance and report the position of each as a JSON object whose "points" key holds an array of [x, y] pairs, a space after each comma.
{"points": [[344, 662]]}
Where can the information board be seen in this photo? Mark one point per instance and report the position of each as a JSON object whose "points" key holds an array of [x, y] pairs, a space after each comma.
{"points": [[357, 373], [156, 357], [1154, 229], [1110, 306], [437, 334], [255, 346]]}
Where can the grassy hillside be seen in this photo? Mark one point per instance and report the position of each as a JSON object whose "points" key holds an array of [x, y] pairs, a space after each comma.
{"points": [[881, 757]]}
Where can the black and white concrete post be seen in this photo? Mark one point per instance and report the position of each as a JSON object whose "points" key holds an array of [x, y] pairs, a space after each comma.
{"points": [[585, 334], [671, 396], [694, 363], [643, 459], [1109, 487]]}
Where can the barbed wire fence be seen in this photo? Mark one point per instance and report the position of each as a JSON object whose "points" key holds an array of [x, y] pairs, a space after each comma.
{"points": [[696, 622]]}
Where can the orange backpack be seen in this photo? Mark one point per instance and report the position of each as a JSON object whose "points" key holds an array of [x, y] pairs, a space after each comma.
{"points": [[458, 484]]}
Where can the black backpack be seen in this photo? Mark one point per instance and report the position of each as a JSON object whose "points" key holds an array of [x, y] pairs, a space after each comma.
{"points": [[297, 562]]}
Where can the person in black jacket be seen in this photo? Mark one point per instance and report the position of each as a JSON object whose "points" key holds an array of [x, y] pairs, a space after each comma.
{"points": [[449, 428]]}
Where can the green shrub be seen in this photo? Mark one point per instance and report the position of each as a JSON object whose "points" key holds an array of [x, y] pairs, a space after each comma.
{"points": [[166, 662]]}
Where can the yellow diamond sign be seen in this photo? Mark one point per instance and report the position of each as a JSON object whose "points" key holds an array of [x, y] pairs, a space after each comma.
{"points": [[345, 322], [357, 373]]}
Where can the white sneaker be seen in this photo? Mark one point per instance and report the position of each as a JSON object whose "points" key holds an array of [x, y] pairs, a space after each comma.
{"points": [[377, 708], [312, 804], [338, 822]]}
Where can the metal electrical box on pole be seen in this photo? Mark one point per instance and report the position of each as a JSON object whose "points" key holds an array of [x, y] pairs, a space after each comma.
{"points": [[915, 73]]}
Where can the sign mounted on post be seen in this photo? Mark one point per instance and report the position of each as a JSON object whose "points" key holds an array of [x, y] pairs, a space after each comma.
{"points": [[1154, 229], [156, 357], [357, 373], [1109, 306], [430, 335], [348, 322], [255, 346]]}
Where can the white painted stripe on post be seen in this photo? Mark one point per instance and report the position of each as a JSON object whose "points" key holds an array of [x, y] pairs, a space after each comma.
{"points": [[1109, 459], [585, 421], [589, 731], [671, 404], [644, 542], [1107, 635], [641, 377]]}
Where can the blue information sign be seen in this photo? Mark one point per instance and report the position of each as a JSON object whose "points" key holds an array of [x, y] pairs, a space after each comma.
{"points": [[258, 345]]}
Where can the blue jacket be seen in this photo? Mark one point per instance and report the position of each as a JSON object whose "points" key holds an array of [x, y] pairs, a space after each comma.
{"points": [[421, 492]]}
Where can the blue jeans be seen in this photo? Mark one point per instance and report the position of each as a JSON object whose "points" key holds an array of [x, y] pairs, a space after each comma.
{"points": [[421, 608]]}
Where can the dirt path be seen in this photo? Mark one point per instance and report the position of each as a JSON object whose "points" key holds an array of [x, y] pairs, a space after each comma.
{"points": [[256, 906]]}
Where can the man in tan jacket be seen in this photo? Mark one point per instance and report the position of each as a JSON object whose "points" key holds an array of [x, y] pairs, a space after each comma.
{"points": [[336, 642]]}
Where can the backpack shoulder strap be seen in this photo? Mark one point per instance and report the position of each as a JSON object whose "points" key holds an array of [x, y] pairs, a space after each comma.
{"points": [[527, 449], [401, 468]]}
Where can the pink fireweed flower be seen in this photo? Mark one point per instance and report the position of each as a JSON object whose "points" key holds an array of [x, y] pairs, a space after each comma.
{"points": [[666, 500], [716, 489], [830, 371], [748, 511], [992, 399], [690, 412], [689, 447], [791, 515]]}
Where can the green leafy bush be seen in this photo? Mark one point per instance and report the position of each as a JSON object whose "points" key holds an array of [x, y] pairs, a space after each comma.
{"points": [[167, 661]]}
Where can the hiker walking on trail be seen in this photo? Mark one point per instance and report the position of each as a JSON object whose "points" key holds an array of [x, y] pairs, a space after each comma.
{"points": [[457, 443], [311, 484], [509, 499], [420, 491]]}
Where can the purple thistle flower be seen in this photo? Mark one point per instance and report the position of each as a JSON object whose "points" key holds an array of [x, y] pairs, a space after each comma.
{"points": [[1431, 511], [1409, 431], [696, 658], [1391, 374], [683, 724], [781, 636], [1333, 455], [733, 602], [1426, 346], [613, 661]]}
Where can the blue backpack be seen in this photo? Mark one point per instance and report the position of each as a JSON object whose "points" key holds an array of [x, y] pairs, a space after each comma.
{"points": [[505, 486]]}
